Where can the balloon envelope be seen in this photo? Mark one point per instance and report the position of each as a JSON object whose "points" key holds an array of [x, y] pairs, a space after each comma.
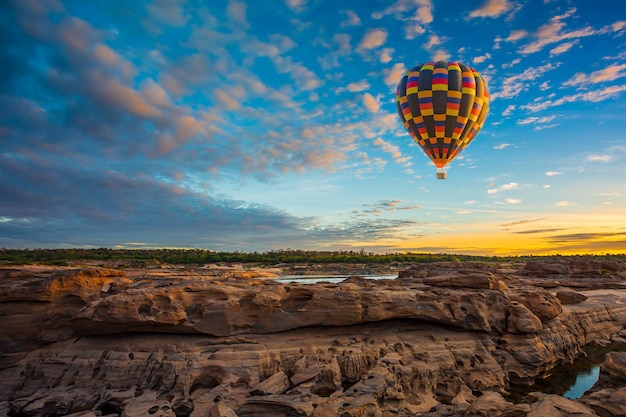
{"points": [[443, 105]]}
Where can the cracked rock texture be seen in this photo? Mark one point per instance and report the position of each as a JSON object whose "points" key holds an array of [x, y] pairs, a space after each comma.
{"points": [[443, 339]]}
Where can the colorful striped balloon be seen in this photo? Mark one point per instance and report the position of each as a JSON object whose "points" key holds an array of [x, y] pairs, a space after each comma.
{"points": [[443, 105]]}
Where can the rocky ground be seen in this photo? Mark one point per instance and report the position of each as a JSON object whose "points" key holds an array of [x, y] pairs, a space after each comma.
{"points": [[443, 339]]}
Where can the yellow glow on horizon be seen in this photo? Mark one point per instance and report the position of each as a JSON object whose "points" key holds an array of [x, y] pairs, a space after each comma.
{"points": [[569, 234]]}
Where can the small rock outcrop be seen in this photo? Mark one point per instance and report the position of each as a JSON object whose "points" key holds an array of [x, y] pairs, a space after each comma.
{"points": [[608, 396]]}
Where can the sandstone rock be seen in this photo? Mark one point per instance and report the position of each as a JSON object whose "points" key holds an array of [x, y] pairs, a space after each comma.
{"points": [[542, 269], [607, 402], [305, 375], [614, 367], [549, 405], [41, 301], [220, 310], [469, 280], [275, 405], [592, 268], [522, 320], [87, 414], [490, 404], [608, 395], [517, 410], [570, 297], [275, 384], [221, 410], [195, 345], [541, 303], [349, 406], [147, 404]]}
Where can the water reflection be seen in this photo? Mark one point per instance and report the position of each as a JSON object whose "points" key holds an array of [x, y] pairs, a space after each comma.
{"points": [[572, 380], [314, 279], [584, 381]]}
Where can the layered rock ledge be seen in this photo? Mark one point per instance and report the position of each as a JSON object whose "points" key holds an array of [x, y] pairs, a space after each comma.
{"points": [[444, 339]]}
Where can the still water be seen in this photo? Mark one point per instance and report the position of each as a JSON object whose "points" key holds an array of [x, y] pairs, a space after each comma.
{"points": [[584, 381], [314, 279], [572, 380]]}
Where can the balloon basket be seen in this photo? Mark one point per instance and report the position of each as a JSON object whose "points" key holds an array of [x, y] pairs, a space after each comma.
{"points": [[441, 175]]}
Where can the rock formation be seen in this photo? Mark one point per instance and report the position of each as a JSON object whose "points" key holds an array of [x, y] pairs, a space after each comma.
{"points": [[608, 396], [445, 339]]}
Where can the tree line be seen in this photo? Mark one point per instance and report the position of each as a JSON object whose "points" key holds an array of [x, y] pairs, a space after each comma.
{"points": [[274, 257]]}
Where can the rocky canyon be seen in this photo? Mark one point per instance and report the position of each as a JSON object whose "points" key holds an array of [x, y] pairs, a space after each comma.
{"points": [[441, 339]]}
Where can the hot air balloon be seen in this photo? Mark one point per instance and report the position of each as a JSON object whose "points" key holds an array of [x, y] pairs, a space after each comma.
{"points": [[443, 105]]}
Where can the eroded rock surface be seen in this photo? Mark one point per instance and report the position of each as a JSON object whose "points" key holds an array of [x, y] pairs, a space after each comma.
{"points": [[443, 339], [608, 396]]}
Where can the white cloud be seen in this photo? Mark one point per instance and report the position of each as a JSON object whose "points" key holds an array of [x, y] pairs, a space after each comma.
{"points": [[400, 8], [515, 84], [543, 127], [554, 32], [510, 186], [154, 93], [358, 86], [434, 40], [591, 96], [394, 74], [441, 54], [424, 13], [352, 20], [512, 63], [170, 12], [516, 35], [412, 30], [492, 8], [236, 11], [599, 158], [226, 100], [562, 48], [610, 73], [370, 103], [385, 55], [536, 120], [482, 58], [296, 5], [504, 187], [501, 146], [509, 109], [513, 200], [394, 151], [373, 39], [552, 173]]}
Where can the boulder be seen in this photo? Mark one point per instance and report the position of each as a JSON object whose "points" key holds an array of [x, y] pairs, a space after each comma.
{"points": [[221, 410], [570, 297], [489, 404], [275, 384], [540, 302], [546, 269], [550, 405], [607, 402], [522, 320]]}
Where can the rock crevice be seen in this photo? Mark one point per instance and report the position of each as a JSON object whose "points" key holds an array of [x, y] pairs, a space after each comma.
{"points": [[437, 341]]}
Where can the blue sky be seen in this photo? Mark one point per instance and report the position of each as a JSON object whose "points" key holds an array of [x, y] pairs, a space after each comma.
{"points": [[254, 126]]}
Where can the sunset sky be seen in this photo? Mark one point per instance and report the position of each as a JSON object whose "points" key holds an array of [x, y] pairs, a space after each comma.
{"points": [[263, 125]]}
